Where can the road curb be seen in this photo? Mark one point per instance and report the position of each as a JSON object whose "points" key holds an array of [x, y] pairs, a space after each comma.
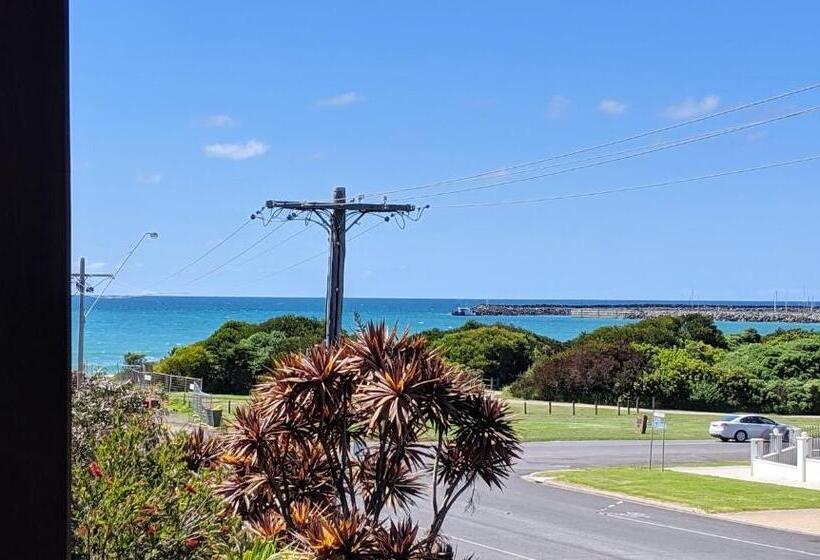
{"points": [[550, 481]]}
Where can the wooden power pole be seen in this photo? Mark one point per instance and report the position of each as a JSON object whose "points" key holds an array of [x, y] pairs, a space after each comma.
{"points": [[333, 216], [82, 289]]}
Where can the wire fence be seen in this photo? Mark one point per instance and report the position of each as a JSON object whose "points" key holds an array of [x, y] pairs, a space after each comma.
{"points": [[189, 389]]}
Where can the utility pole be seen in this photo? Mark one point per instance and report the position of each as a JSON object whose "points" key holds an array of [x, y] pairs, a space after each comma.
{"points": [[82, 289], [333, 216]]}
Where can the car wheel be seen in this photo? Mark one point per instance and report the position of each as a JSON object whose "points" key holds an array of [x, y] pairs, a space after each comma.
{"points": [[741, 436], [724, 439]]}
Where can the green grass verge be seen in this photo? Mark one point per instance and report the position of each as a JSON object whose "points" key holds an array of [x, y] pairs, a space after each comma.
{"points": [[176, 402], [539, 425], [707, 493]]}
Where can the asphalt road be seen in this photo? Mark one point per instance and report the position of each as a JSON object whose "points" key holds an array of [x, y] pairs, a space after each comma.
{"points": [[532, 521]]}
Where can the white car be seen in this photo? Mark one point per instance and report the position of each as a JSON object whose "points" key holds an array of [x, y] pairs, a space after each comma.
{"points": [[741, 427]]}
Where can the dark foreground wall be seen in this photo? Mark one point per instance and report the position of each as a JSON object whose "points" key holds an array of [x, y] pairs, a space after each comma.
{"points": [[34, 363]]}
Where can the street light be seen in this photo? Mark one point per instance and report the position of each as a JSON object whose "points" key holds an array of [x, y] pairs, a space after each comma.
{"points": [[83, 288], [148, 234]]}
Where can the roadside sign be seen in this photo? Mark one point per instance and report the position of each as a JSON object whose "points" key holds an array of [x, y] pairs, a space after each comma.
{"points": [[658, 424]]}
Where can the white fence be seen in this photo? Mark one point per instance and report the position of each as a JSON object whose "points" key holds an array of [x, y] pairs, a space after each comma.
{"points": [[790, 459]]}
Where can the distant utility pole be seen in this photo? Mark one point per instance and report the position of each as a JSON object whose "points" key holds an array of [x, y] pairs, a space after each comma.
{"points": [[333, 216], [82, 289]]}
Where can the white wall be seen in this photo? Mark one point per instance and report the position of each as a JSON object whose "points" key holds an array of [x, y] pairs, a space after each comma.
{"points": [[769, 470], [813, 471]]}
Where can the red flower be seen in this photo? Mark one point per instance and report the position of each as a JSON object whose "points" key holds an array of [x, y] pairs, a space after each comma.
{"points": [[95, 470], [192, 542]]}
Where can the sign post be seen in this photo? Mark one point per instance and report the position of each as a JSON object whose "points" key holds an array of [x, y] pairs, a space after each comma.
{"points": [[658, 423]]}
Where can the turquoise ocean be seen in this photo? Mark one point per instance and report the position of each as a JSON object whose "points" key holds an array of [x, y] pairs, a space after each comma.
{"points": [[155, 324]]}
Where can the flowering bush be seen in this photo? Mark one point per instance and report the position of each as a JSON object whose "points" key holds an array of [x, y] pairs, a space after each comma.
{"points": [[96, 408], [137, 499]]}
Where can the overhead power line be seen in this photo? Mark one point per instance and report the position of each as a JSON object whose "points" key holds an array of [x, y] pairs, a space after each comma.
{"points": [[491, 172], [320, 253], [206, 253], [658, 148], [634, 188], [272, 247], [236, 256]]}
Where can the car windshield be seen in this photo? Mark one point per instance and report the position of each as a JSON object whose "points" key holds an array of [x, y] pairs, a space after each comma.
{"points": [[730, 417]]}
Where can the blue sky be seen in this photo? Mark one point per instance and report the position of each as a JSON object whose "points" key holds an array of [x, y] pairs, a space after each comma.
{"points": [[186, 117]]}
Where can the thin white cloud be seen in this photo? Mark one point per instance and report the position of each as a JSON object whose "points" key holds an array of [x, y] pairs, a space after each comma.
{"points": [[690, 107], [557, 107], [148, 177], [96, 265], [218, 121], [341, 100], [612, 107], [251, 148]]}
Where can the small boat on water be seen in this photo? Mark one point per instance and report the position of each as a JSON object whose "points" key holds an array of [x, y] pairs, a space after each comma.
{"points": [[463, 311]]}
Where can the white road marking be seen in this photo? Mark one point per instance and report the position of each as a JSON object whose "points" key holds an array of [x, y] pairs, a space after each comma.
{"points": [[502, 551], [715, 535]]}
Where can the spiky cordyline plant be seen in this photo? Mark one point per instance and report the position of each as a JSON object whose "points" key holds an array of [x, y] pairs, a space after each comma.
{"points": [[332, 439]]}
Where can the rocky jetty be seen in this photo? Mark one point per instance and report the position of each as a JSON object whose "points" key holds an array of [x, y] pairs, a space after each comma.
{"points": [[744, 313]]}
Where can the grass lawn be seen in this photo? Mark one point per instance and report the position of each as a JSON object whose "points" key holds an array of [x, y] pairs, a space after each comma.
{"points": [[708, 493], [539, 425], [228, 403]]}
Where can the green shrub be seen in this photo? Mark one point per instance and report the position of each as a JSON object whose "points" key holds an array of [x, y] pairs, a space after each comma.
{"points": [[793, 396], [134, 358], [594, 371], [95, 407], [188, 361], [664, 332], [784, 355], [137, 499], [231, 359], [499, 352]]}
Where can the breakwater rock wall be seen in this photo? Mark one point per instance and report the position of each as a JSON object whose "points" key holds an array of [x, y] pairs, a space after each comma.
{"points": [[644, 311]]}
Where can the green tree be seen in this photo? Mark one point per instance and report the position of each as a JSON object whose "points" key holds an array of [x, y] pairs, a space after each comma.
{"points": [[230, 360], [747, 336], [497, 351], [663, 332], [188, 361], [595, 371], [786, 355], [134, 358], [699, 327]]}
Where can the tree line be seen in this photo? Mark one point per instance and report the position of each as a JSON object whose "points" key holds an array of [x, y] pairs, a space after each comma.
{"points": [[683, 362]]}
